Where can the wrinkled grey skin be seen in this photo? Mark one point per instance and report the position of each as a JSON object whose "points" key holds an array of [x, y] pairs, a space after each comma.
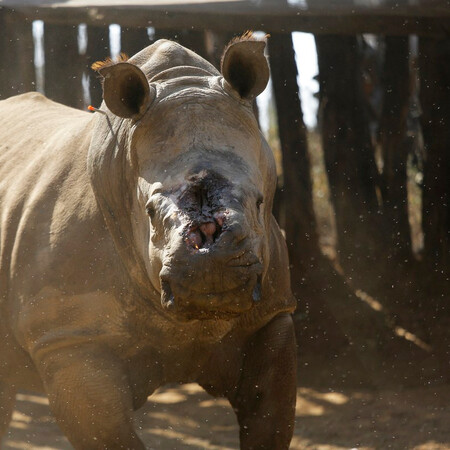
{"points": [[138, 248]]}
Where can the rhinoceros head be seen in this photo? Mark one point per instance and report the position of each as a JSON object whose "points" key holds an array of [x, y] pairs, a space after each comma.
{"points": [[184, 177]]}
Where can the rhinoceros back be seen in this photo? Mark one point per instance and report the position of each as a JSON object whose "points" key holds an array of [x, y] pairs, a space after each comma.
{"points": [[42, 157]]}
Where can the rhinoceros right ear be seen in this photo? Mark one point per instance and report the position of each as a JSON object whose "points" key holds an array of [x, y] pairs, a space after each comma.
{"points": [[245, 67], [125, 89]]}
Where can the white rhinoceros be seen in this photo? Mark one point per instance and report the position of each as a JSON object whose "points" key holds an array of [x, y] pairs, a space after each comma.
{"points": [[138, 248]]}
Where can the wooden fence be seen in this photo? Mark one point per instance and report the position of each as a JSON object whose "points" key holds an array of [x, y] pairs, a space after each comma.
{"points": [[365, 199]]}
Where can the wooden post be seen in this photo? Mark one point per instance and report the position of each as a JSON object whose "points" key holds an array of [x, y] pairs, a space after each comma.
{"points": [[133, 40], [5, 43], [434, 61], [349, 156], [97, 50], [300, 224], [194, 40], [326, 303], [17, 72], [215, 44], [394, 143], [63, 65]]}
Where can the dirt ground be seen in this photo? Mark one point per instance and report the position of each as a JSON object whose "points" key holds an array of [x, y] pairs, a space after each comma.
{"points": [[185, 417]]}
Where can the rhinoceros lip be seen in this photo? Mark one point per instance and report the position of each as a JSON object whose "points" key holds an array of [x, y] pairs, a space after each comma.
{"points": [[195, 312]]}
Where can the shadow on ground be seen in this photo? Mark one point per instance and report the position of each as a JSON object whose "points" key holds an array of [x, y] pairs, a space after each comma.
{"points": [[185, 417]]}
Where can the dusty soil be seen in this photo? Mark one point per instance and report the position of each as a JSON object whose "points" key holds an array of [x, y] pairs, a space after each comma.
{"points": [[185, 417]]}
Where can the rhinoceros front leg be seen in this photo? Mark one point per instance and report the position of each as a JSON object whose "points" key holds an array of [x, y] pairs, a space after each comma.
{"points": [[265, 399], [90, 397]]}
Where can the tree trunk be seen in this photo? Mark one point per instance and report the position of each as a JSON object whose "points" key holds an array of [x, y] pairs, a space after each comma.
{"points": [[63, 65], [17, 72], [434, 60], [300, 225], [394, 143], [97, 50], [349, 156]]}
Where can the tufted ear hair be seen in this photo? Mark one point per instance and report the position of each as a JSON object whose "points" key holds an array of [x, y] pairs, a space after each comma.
{"points": [[245, 67], [126, 90]]}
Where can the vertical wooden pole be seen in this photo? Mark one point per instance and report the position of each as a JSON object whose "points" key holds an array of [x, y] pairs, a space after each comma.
{"points": [[5, 44], [327, 305], [434, 61], [194, 40], [349, 156], [97, 50], [394, 143], [133, 40], [215, 44], [17, 72], [63, 65], [300, 224]]}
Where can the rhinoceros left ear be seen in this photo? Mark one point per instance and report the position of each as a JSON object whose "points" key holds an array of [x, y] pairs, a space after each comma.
{"points": [[245, 67], [125, 89]]}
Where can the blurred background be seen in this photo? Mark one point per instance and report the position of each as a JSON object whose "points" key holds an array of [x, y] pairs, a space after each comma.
{"points": [[357, 113]]}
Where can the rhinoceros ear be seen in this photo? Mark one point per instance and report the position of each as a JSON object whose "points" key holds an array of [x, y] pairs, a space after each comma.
{"points": [[245, 67], [125, 89]]}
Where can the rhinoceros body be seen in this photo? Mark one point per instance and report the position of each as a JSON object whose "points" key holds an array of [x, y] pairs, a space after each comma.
{"points": [[138, 248]]}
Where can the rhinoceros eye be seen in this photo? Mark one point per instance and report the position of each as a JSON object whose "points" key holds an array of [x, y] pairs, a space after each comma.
{"points": [[150, 211], [259, 202]]}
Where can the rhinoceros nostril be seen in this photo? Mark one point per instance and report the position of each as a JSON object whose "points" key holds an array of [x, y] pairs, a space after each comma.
{"points": [[194, 238], [208, 231], [204, 235], [219, 217]]}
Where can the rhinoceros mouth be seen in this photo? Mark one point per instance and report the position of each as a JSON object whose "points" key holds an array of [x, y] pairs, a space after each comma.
{"points": [[197, 304]]}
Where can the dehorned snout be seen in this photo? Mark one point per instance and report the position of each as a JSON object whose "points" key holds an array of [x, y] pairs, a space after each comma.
{"points": [[205, 231], [207, 202]]}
